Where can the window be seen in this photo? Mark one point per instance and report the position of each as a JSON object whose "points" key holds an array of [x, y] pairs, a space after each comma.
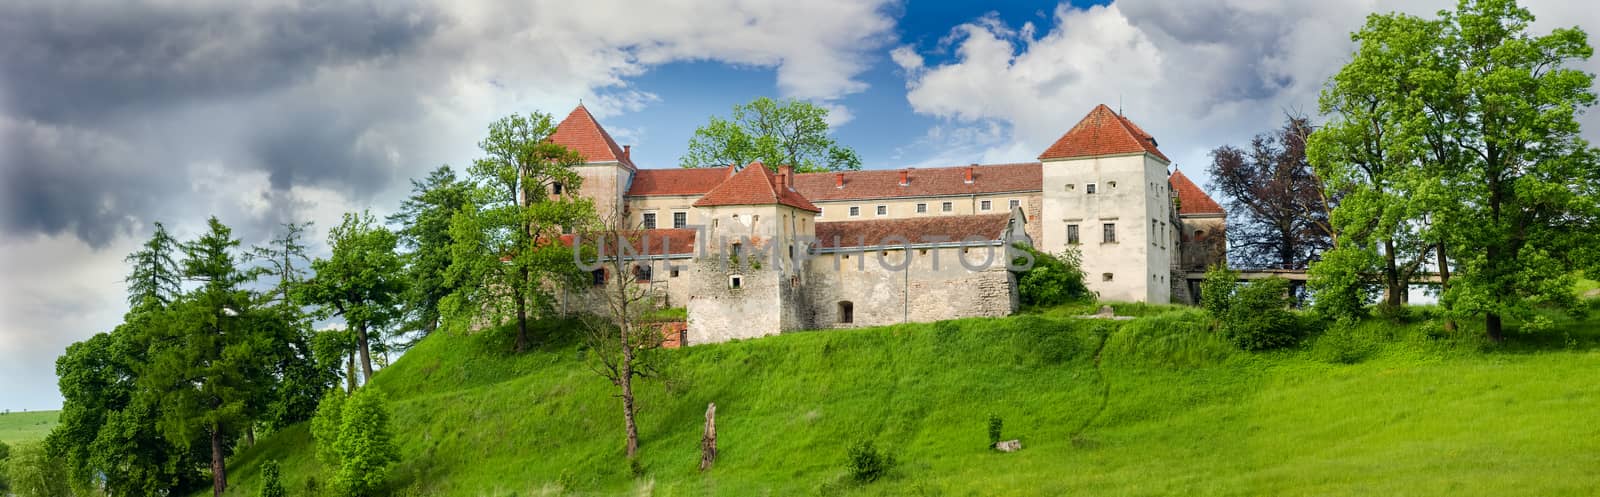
{"points": [[855, 211], [947, 206], [735, 282], [680, 219], [1153, 232], [641, 272], [1111, 184], [555, 188], [735, 250], [1072, 234], [983, 205], [1014, 204], [599, 276], [1088, 188], [922, 208], [1110, 233], [1071, 187], [847, 312], [883, 210], [673, 273], [649, 220], [1105, 276]]}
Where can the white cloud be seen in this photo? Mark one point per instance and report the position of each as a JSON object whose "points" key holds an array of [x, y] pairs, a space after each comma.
{"points": [[1196, 74]]}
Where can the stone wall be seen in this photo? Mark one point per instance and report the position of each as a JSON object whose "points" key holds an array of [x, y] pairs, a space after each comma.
{"points": [[718, 312], [1204, 242], [880, 295]]}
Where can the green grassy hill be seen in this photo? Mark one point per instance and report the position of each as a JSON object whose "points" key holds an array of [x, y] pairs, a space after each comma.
{"points": [[27, 426], [1169, 410]]}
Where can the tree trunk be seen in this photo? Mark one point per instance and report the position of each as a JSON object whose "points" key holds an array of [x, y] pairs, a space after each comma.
{"points": [[250, 436], [708, 441], [1444, 286], [1491, 324], [522, 315], [219, 473], [366, 354], [350, 373], [1394, 289], [626, 382]]}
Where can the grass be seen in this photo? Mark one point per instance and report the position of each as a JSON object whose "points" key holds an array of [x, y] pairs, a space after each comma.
{"points": [[26, 426], [1151, 406]]}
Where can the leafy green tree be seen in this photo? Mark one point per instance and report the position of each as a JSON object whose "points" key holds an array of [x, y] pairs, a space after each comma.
{"points": [[156, 277], [33, 472], [1054, 279], [1472, 119], [424, 221], [506, 257], [301, 381], [285, 258], [208, 360], [775, 132], [365, 444], [360, 282]]}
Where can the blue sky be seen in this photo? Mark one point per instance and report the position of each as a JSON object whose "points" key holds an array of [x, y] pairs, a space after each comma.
{"points": [[114, 116]]}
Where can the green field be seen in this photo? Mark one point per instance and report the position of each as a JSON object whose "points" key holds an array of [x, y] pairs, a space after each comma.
{"points": [[26, 426], [1386, 409]]}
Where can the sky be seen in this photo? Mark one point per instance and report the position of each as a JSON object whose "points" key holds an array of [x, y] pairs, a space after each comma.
{"points": [[118, 114]]}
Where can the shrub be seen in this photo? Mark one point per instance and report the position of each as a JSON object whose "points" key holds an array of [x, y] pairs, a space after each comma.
{"points": [[1258, 316], [1054, 279], [866, 463], [31, 471], [994, 429], [1216, 290], [365, 445], [1339, 291], [1343, 345], [271, 485], [325, 427]]}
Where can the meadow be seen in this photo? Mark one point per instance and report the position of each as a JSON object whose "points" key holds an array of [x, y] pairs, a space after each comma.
{"points": [[1156, 405], [31, 426]]}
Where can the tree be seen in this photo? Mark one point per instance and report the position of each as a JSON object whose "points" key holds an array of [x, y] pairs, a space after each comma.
{"points": [[281, 255], [1280, 212], [32, 472], [619, 345], [208, 361], [424, 221], [325, 427], [155, 275], [1472, 120], [775, 132], [271, 480], [360, 282], [301, 380], [506, 258]]}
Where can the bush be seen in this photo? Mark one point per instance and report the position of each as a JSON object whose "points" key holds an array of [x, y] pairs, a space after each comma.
{"points": [[365, 445], [1217, 289], [994, 429], [325, 427], [1054, 279], [1258, 316], [32, 472], [867, 464], [271, 484]]}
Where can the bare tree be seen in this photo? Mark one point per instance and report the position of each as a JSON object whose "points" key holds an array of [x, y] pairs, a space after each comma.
{"points": [[619, 341]]}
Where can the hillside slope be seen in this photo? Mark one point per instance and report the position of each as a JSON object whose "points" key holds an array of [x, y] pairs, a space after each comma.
{"points": [[1170, 410]]}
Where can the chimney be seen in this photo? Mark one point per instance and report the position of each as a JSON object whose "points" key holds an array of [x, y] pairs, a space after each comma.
{"points": [[786, 173], [838, 180], [905, 178], [627, 151], [969, 172]]}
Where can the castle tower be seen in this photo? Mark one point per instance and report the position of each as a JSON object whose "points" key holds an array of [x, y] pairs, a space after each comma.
{"points": [[748, 276], [607, 169], [1105, 192]]}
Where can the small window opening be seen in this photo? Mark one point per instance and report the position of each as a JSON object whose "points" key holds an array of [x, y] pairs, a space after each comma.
{"points": [[847, 312]]}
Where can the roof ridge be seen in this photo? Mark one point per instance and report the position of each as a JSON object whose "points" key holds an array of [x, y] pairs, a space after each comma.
{"points": [[1103, 132]]}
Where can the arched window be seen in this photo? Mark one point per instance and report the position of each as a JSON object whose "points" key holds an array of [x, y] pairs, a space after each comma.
{"points": [[641, 272], [847, 312]]}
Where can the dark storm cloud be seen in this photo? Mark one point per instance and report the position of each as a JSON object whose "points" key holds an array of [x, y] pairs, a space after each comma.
{"points": [[104, 106], [75, 61]]}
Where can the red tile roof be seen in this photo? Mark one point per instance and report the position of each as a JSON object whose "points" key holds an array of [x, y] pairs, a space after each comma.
{"points": [[916, 229], [580, 132], [1103, 132], [681, 181], [885, 183], [1191, 199], [664, 241], [754, 185]]}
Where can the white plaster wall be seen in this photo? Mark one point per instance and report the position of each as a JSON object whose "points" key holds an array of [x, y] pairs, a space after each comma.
{"points": [[1138, 261]]}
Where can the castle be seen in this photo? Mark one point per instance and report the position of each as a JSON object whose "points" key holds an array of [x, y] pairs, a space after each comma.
{"points": [[750, 252]]}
